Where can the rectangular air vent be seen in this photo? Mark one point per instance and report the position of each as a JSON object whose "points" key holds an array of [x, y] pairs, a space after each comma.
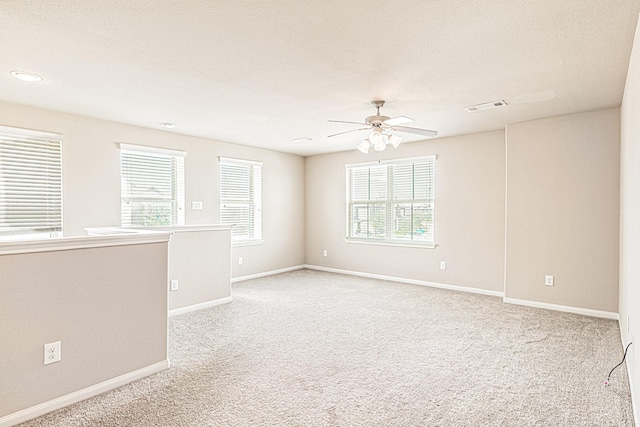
{"points": [[486, 106]]}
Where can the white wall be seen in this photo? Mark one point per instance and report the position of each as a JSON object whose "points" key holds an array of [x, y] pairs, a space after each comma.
{"points": [[107, 306], [91, 181], [630, 221], [469, 215], [562, 192], [200, 261], [562, 210]]}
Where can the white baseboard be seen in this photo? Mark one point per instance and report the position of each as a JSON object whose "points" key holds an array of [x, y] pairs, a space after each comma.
{"points": [[409, 281], [565, 308], [267, 273], [199, 306], [77, 396]]}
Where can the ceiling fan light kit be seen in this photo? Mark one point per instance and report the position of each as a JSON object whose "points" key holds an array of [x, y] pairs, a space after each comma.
{"points": [[381, 128], [378, 141]]}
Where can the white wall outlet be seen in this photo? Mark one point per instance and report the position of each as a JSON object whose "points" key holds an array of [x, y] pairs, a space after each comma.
{"points": [[548, 280], [174, 285], [443, 265], [196, 205], [324, 253], [239, 260], [52, 352]]}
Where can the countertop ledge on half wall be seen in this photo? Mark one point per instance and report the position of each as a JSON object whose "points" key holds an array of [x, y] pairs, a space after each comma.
{"points": [[69, 243]]}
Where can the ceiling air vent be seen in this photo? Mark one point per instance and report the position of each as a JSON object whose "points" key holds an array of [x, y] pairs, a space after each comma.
{"points": [[486, 106]]}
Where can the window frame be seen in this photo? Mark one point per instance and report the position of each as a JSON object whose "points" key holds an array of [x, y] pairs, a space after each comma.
{"points": [[49, 228], [389, 201], [253, 202], [177, 181]]}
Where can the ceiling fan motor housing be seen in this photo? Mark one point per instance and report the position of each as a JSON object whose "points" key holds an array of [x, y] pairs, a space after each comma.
{"points": [[376, 120], [381, 125]]}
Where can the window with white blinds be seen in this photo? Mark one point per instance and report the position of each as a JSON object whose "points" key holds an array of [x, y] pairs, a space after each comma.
{"points": [[30, 184], [241, 199], [152, 186], [392, 201]]}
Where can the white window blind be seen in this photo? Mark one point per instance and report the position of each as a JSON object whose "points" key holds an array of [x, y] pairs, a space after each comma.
{"points": [[241, 199], [152, 181], [30, 184], [392, 201]]}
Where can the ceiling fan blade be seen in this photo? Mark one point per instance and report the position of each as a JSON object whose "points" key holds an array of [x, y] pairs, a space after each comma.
{"points": [[423, 132], [342, 121], [353, 130], [400, 120]]}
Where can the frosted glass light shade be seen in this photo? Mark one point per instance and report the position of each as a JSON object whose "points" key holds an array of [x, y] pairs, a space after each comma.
{"points": [[364, 146], [380, 146], [375, 137], [395, 140]]}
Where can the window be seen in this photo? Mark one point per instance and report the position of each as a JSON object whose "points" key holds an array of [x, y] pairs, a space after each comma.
{"points": [[152, 181], [240, 199], [391, 202], [30, 184]]}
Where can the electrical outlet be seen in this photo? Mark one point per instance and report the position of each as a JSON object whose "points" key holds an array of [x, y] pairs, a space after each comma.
{"points": [[325, 252], [548, 280], [443, 265], [174, 285], [196, 205], [52, 352], [239, 260]]}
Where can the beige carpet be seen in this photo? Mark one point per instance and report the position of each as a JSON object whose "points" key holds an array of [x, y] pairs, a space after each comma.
{"points": [[316, 349]]}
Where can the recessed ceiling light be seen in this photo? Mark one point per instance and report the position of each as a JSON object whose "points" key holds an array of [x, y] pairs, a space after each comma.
{"points": [[26, 77], [303, 139], [168, 125]]}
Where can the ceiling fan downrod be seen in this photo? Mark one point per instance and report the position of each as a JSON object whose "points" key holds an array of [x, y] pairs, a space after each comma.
{"points": [[376, 120]]}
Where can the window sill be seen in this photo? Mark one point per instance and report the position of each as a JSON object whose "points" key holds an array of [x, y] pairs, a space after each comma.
{"points": [[399, 244], [247, 243]]}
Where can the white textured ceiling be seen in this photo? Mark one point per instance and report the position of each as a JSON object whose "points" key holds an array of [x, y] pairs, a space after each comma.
{"points": [[263, 73]]}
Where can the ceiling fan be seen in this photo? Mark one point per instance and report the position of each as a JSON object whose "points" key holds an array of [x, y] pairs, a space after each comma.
{"points": [[381, 128]]}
